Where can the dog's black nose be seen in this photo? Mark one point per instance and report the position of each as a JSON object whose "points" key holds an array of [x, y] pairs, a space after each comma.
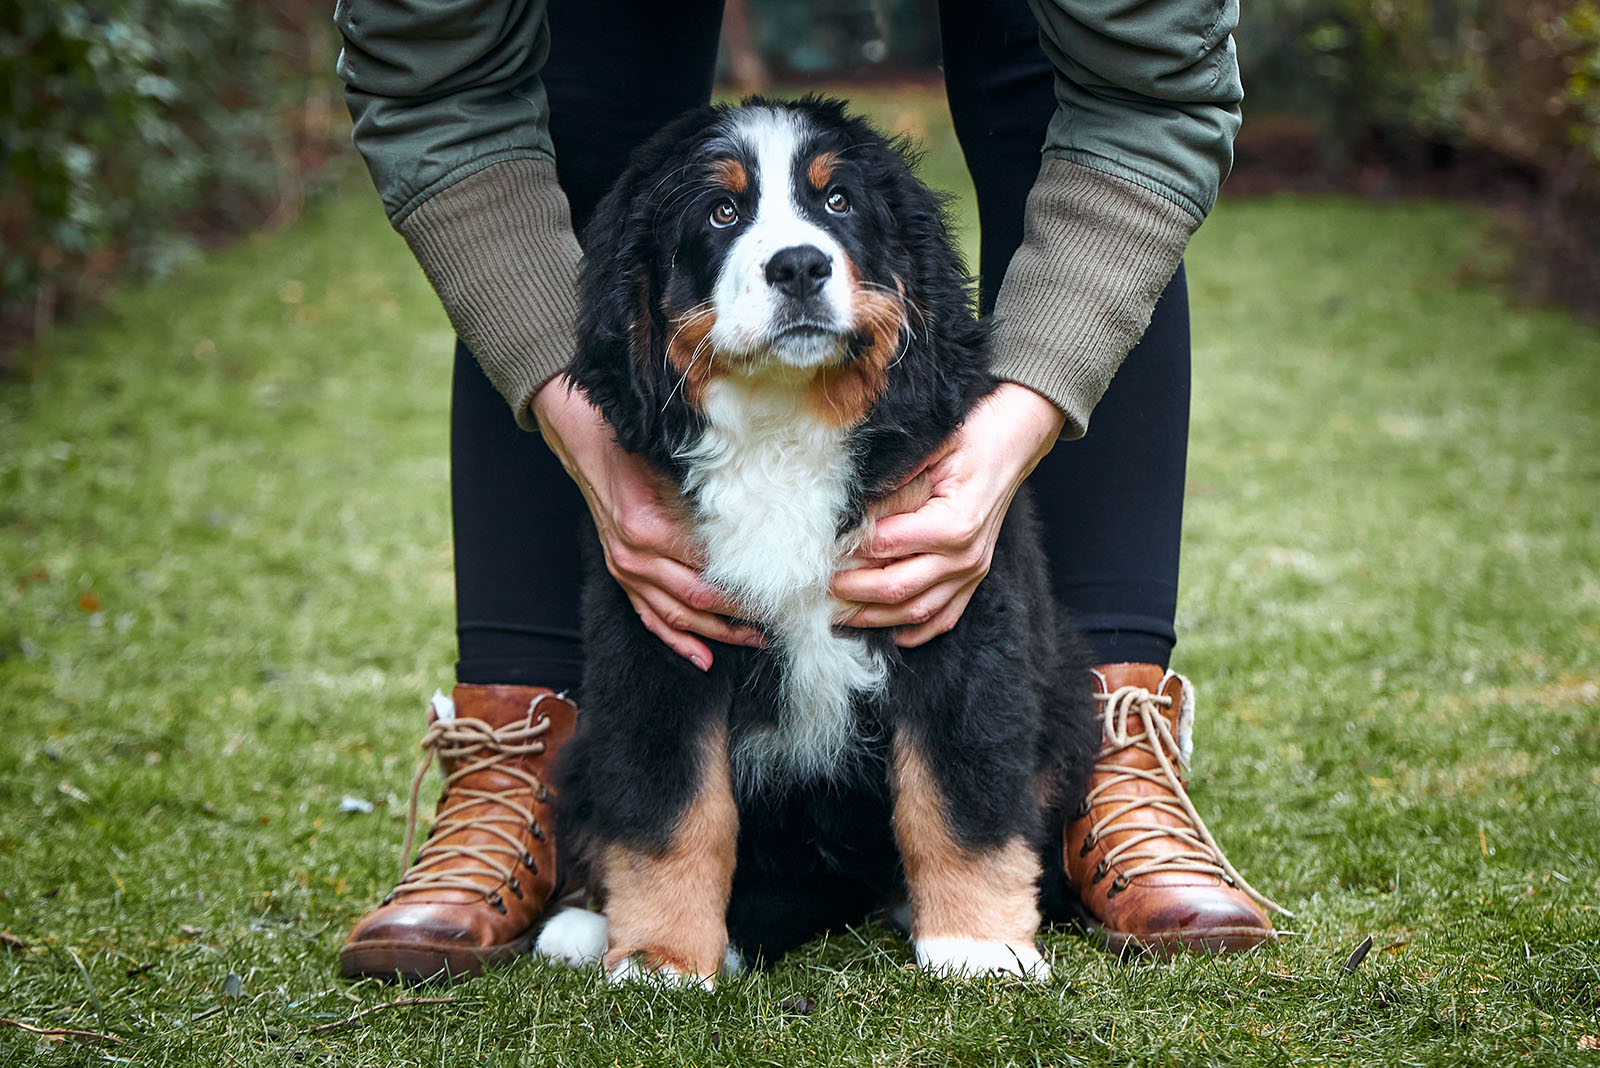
{"points": [[799, 270]]}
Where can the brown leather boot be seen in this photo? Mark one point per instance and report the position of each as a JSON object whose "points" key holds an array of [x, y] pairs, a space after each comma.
{"points": [[488, 868], [1138, 855]]}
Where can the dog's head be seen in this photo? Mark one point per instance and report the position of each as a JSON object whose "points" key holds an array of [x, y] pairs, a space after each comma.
{"points": [[787, 242]]}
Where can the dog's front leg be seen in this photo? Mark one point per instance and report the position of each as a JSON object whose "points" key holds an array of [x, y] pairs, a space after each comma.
{"points": [[974, 906], [667, 906]]}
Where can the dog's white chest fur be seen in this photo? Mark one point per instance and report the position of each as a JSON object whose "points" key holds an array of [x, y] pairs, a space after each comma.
{"points": [[769, 483]]}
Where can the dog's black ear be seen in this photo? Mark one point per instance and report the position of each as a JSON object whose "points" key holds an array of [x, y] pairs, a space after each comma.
{"points": [[622, 328], [943, 367], [619, 318]]}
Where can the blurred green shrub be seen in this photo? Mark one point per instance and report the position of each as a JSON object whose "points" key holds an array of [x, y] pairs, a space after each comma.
{"points": [[1513, 80], [131, 130], [1518, 77]]}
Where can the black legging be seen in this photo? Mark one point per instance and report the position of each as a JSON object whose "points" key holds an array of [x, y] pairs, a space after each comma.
{"points": [[1112, 502]]}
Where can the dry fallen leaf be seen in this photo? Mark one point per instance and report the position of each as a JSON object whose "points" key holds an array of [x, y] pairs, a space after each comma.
{"points": [[88, 602], [1589, 1042], [803, 1006]]}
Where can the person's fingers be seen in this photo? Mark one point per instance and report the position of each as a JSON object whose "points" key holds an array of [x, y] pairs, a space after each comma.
{"points": [[942, 622], [935, 527], [691, 603], [680, 617], [913, 613], [650, 529], [684, 644], [689, 586], [895, 582]]}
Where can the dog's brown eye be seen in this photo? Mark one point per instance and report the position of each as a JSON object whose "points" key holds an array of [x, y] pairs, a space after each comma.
{"points": [[724, 214], [837, 202]]}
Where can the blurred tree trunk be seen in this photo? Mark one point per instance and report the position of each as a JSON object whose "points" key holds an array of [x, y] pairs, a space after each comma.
{"points": [[745, 65]]}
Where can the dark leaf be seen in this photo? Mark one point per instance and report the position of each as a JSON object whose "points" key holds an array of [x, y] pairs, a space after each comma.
{"points": [[1359, 955]]}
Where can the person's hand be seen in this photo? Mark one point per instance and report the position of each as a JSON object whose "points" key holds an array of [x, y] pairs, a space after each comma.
{"points": [[648, 547], [919, 568]]}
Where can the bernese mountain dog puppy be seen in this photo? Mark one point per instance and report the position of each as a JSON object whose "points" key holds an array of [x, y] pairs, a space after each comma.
{"points": [[773, 315]]}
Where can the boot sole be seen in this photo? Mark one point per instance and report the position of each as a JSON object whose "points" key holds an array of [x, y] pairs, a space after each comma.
{"points": [[1164, 945], [423, 962]]}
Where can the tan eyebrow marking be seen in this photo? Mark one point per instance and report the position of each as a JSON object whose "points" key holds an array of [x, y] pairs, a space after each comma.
{"points": [[730, 174], [821, 170]]}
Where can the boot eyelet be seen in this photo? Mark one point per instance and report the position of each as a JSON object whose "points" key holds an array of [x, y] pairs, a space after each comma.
{"points": [[1119, 884], [543, 795], [1083, 808], [536, 830], [497, 903], [1088, 844], [516, 887], [526, 860], [1100, 870], [387, 898]]}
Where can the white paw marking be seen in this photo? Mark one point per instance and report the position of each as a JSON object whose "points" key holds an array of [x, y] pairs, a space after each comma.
{"points": [[634, 970], [574, 936], [968, 958], [732, 961]]}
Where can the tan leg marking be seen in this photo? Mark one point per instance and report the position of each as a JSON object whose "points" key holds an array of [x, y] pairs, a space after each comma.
{"points": [[955, 893], [672, 908]]}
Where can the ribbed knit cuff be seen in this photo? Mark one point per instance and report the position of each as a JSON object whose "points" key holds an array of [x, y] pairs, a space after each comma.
{"points": [[1096, 253], [499, 249]]}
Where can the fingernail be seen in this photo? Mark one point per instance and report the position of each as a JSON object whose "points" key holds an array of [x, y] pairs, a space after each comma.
{"points": [[756, 641], [700, 662]]}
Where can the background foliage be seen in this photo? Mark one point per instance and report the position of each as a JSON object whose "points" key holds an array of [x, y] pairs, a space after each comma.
{"points": [[133, 130]]}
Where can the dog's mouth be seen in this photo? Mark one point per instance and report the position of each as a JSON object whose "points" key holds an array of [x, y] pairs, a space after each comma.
{"points": [[806, 342], [806, 332]]}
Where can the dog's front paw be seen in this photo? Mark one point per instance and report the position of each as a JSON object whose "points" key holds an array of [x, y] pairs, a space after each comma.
{"points": [[644, 966], [968, 958], [574, 936]]}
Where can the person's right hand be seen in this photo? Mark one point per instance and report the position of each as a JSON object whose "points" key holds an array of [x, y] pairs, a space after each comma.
{"points": [[648, 547]]}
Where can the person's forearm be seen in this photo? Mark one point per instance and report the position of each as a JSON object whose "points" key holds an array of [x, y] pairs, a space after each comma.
{"points": [[1142, 138], [499, 250], [1096, 253], [451, 117]]}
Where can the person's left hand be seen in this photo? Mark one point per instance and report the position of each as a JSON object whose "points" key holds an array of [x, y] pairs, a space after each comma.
{"points": [[919, 568]]}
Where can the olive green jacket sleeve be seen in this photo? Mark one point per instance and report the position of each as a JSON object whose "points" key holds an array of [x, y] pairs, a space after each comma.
{"points": [[1148, 101], [451, 117], [452, 120]]}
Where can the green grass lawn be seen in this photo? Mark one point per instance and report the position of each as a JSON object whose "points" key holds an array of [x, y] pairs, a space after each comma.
{"points": [[225, 594]]}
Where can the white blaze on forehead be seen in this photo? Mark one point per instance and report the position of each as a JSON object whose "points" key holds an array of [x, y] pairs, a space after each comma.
{"points": [[747, 307]]}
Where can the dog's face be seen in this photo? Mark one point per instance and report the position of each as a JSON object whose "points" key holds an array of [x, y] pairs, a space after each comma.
{"points": [[783, 237], [782, 241]]}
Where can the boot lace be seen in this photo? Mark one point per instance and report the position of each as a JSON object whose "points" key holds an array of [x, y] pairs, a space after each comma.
{"points": [[475, 746], [1136, 707]]}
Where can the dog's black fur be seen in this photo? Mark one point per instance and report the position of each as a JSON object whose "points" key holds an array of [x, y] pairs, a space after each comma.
{"points": [[998, 706]]}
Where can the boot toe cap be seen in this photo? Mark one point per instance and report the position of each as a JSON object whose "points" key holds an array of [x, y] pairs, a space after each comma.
{"points": [[1202, 919]]}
